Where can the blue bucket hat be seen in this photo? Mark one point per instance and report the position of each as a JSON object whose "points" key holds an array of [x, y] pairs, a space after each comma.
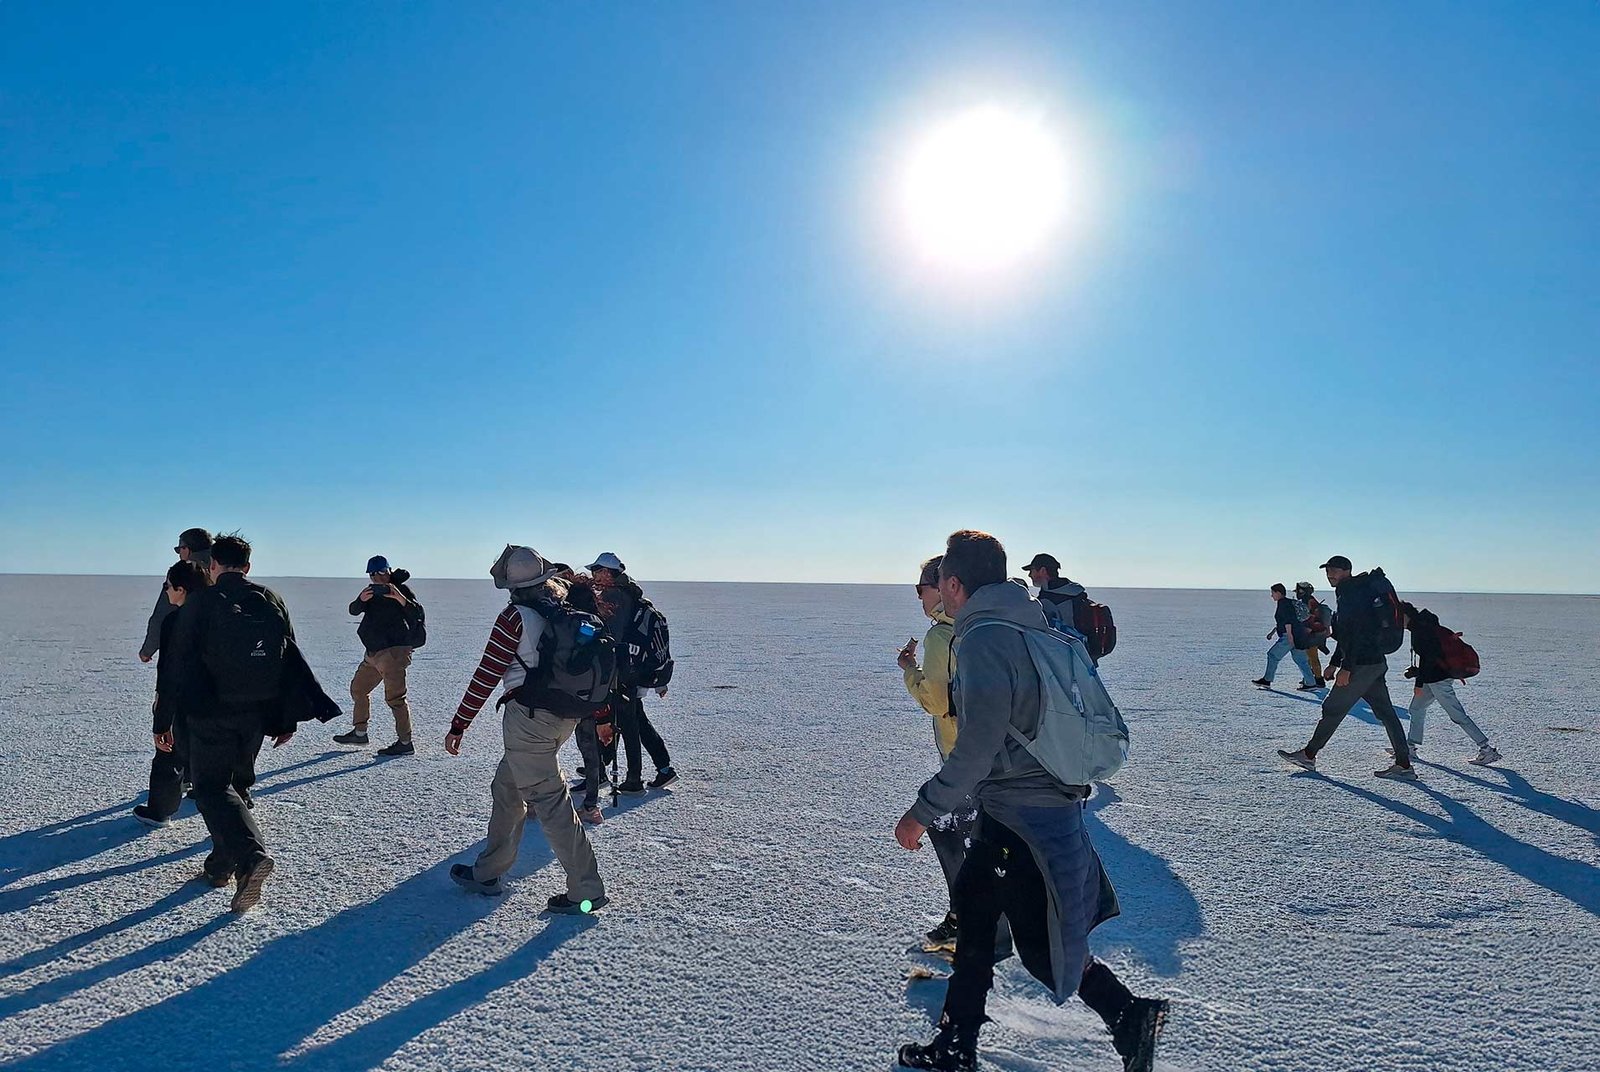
{"points": [[377, 564]]}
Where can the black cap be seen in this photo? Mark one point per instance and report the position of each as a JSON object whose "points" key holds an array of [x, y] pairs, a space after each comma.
{"points": [[1044, 560], [1337, 562]]}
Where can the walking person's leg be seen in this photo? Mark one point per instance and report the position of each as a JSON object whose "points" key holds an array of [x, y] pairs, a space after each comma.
{"points": [[1417, 713], [509, 808], [1314, 657], [1377, 696], [653, 744], [221, 753], [551, 803], [1445, 692], [392, 664], [166, 778], [1306, 676], [593, 762], [1335, 706], [1275, 656], [627, 716], [367, 677]]}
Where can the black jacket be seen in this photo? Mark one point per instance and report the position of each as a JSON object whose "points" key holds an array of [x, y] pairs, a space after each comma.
{"points": [[1285, 616], [385, 623], [1427, 649], [1355, 627], [644, 653], [196, 689], [173, 702], [302, 698]]}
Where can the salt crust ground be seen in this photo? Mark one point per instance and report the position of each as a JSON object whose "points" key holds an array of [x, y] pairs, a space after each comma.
{"points": [[1324, 922]]}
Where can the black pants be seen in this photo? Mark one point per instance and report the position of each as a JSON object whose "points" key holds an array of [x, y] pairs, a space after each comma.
{"points": [[167, 770], [1366, 683], [222, 760], [634, 726], [949, 836], [1000, 877]]}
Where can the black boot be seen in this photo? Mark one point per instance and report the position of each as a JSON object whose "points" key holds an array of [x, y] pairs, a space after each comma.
{"points": [[1136, 1031], [944, 933], [953, 1049]]}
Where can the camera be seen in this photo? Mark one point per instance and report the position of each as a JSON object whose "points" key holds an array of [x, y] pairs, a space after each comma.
{"points": [[380, 589]]}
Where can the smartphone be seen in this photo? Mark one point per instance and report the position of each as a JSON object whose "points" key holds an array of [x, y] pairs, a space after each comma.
{"points": [[380, 589]]}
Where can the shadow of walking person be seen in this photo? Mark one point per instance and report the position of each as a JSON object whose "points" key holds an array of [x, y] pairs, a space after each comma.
{"points": [[1159, 913], [268, 1006], [1574, 880], [1517, 788]]}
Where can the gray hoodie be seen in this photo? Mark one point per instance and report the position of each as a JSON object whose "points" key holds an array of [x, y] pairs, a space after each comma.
{"points": [[152, 629], [995, 687]]}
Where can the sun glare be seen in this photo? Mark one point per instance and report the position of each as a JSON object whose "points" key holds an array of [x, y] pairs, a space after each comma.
{"points": [[984, 190]]}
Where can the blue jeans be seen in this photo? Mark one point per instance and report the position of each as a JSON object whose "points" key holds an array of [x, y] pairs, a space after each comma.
{"points": [[1275, 656]]}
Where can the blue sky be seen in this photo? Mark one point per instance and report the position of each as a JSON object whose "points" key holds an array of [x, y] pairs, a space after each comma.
{"points": [[421, 279]]}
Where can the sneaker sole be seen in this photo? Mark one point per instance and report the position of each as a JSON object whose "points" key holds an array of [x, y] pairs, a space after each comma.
{"points": [[1411, 777], [1298, 763], [248, 895], [594, 906]]}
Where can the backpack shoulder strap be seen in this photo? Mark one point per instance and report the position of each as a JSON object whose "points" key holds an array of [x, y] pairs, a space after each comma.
{"points": [[1011, 730]]}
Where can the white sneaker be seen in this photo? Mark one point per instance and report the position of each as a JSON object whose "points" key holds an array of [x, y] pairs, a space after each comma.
{"points": [[1299, 758], [1398, 773], [1486, 755]]}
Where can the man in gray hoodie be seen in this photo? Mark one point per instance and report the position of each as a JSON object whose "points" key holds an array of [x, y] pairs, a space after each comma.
{"points": [[1029, 826], [194, 545]]}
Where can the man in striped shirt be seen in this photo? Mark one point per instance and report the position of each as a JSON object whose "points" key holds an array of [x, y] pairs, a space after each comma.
{"points": [[528, 776]]}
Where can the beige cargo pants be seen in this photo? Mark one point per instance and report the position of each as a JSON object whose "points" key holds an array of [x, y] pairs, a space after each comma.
{"points": [[389, 667]]}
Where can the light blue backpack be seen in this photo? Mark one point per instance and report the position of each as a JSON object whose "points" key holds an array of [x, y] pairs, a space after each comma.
{"points": [[1081, 736]]}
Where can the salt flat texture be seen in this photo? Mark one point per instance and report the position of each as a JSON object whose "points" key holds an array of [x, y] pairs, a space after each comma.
{"points": [[1325, 922]]}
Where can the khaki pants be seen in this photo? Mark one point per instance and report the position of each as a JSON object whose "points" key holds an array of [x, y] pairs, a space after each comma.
{"points": [[1314, 657], [529, 779], [389, 667]]}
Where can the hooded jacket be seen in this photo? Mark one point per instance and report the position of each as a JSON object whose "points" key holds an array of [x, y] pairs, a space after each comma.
{"points": [[997, 687], [929, 684], [163, 609], [385, 623], [1062, 591], [1355, 629], [1425, 645]]}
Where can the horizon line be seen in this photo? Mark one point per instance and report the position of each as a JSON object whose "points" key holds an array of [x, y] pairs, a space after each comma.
{"points": [[839, 584]]}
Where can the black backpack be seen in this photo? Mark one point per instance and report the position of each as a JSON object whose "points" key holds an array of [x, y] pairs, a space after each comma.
{"points": [[577, 670], [243, 652], [417, 624], [1381, 603]]}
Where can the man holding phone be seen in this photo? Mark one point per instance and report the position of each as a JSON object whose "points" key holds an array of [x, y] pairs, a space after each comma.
{"points": [[389, 614]]}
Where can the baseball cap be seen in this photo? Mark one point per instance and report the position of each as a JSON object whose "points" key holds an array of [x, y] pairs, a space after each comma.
{"points": [[608, 561], [377, 564], [1337, 562], [1043, 560]]}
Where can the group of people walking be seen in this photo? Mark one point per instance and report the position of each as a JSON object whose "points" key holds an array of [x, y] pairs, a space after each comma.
{"points": [[575, 651], [1369, 622]]}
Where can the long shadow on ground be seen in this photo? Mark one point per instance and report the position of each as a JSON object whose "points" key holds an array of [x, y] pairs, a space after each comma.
{"points": [[1158, 912], [1576, 881], [250, 1016], [1515, 787]]}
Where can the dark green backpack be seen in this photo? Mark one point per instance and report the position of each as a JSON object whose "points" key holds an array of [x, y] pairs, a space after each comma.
{"points": [[245, 640]]}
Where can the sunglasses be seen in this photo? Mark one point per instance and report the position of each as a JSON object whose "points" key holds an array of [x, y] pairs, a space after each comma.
{"points": [[178, 550], [920, 587]]}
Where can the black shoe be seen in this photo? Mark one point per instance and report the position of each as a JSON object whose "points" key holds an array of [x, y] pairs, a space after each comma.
{"points": [[399, 748], [353, 737], [953, 1049], [1261, 683], [1308, 688], [250, 880], [664, 777], [461, 875], [215, 881], [564, 905], [149, 818], [632, 787], [1136, 1032], [944, 933]]}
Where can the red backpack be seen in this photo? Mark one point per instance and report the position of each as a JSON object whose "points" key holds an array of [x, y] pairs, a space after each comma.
{"points": [[1460, 658], [1094, 621]]}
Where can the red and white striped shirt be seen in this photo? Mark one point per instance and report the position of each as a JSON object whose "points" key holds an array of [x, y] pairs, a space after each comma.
{"points": [[504, 639]]}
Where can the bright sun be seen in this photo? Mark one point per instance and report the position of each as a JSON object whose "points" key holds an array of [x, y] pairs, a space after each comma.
{"points": [[984, 190]]}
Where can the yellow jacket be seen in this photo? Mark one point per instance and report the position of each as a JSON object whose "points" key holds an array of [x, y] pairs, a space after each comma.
{"points": [[929, 684]]}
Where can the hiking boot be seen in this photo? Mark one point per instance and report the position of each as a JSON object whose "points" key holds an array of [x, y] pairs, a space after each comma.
{"points": [[944, 933], [953, 1049], [1303, 687], [353, 737], [399, 748], [149, 818], [1299, 758], [1398, 773], [1486, 756], [664, 777], [1261, 683], [247, 892], [591, 815], [564, 905], [632, 787], [461, 875], [1136, 1032]]}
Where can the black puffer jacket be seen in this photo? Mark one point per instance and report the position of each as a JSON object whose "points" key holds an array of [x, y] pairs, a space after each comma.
{"points": [[385, 623]]}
